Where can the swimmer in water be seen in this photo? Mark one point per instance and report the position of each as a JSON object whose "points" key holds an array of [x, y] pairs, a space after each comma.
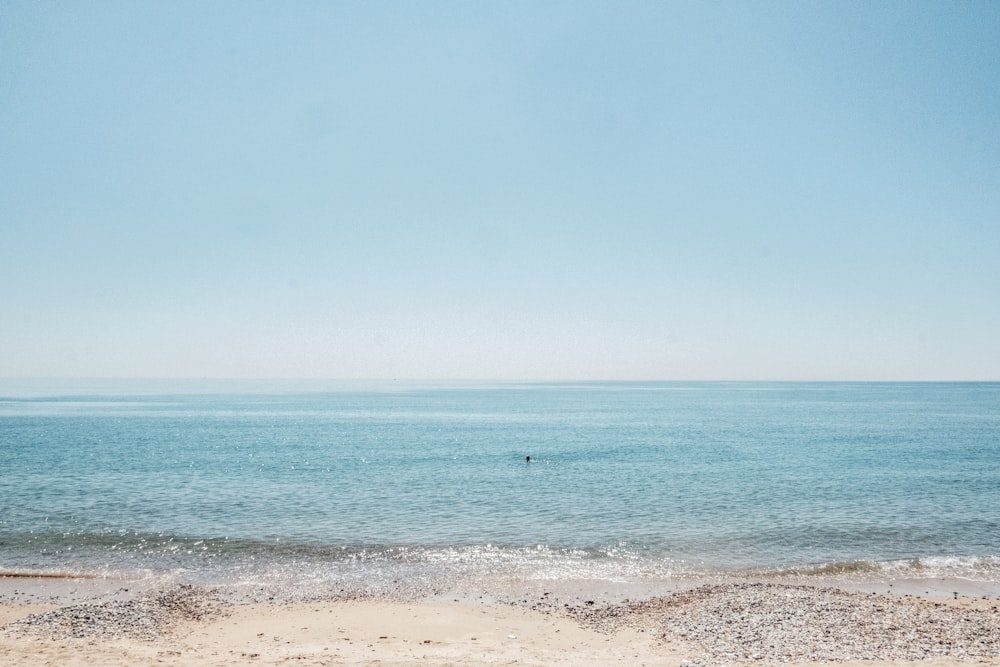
{"points": [[527, 459]]}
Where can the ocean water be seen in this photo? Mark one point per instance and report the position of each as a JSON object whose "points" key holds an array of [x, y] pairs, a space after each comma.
{"points": [[285, 482]]}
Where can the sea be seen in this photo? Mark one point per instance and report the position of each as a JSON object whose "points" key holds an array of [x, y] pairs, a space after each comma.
{"points": [[327, 486]]}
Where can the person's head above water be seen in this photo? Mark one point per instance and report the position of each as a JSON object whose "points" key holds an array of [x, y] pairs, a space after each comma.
{"points": [[528, 459]]}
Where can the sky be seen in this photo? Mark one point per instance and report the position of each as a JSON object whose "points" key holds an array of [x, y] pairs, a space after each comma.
{"points": [[500, 190]]}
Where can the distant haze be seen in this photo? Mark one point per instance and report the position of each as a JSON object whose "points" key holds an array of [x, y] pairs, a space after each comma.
{"points": [[508, 190]]}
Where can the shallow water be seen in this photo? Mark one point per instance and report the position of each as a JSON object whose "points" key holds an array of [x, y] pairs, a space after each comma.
{"points": [[331, 482]]}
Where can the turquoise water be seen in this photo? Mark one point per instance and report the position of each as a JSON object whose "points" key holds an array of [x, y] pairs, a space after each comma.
{"points": [[217, 481]]}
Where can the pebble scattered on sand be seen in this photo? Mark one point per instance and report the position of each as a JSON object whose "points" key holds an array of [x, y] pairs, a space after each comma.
{"points": [[777, 623], [147, 617], [723, 624]]}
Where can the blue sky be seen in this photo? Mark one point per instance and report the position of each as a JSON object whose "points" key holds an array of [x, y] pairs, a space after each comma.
{"points": [[522, 190]]}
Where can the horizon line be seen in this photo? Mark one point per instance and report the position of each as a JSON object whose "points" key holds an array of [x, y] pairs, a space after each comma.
{"points": [[463, 380]]}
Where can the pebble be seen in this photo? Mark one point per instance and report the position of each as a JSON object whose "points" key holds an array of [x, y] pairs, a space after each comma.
{"points": [[752, 622], [147, 617]]}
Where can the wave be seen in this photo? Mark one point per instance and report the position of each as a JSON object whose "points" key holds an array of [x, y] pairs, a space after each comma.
{"points": [[45, 574], [116, 553], [824, 569], [925, 567]]}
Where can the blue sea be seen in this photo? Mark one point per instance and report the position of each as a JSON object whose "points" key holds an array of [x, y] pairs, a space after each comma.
{"points": [[251, 482]]}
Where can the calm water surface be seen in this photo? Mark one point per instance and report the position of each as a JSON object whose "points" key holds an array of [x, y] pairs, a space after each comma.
{"points": [[223, 480]]}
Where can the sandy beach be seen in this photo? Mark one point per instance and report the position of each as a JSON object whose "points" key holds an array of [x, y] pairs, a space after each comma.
{"points": [[756, 623]]}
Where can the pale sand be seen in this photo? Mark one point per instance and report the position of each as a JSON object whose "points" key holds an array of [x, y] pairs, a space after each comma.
{"points": [[352, 633], [368, 632]]}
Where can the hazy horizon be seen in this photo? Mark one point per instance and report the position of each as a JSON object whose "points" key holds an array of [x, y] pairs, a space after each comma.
{"points": [[558, 191]]}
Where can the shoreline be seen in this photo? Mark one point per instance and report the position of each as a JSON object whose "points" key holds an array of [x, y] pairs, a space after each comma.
{"points": [[68, 587], [700, 622]]}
